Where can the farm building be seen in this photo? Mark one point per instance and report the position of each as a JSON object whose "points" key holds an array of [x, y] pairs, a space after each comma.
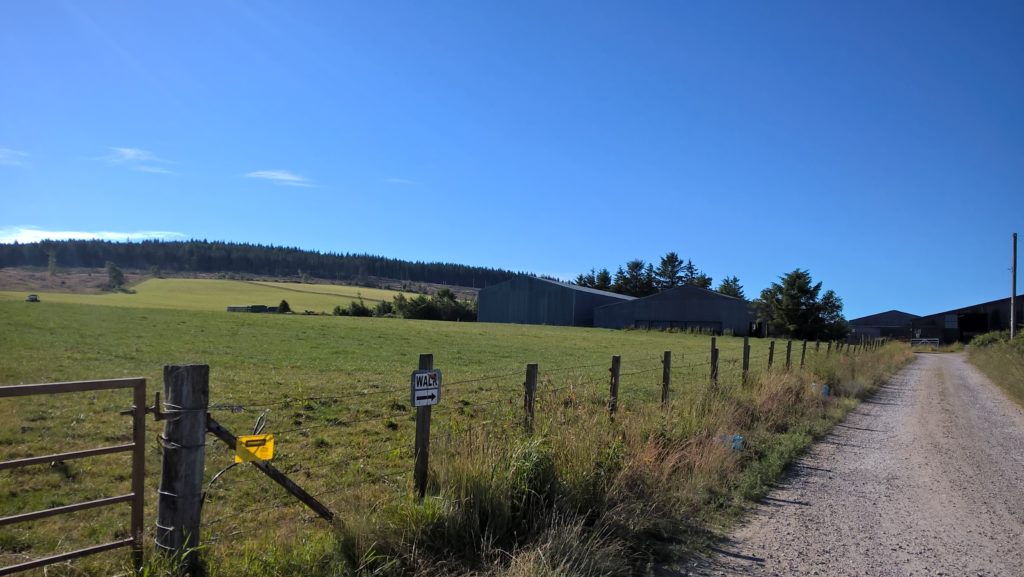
{"points": [[685, 307], [890, 324], [536, 301], [964, 323]]}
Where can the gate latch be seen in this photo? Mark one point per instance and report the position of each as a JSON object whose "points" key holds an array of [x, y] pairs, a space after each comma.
{"points": [[158, 415]]}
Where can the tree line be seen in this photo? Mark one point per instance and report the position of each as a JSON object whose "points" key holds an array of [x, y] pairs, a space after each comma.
{"points": [[245, 258], [795, 306], [639, 279], [443, 305]]}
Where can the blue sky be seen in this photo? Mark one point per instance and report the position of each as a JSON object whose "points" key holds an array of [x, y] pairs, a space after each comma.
{"points": [[878, 144]]}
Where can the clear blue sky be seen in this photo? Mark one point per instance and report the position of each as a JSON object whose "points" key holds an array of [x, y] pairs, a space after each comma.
{"points": [[878, 144]]}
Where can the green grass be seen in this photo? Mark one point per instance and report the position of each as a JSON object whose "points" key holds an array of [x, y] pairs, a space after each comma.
{"points": [[216, 295], [1002, 360], [598, 475]]}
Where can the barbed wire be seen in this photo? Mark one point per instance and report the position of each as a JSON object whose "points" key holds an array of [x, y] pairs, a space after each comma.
{"points": [[237, 406], [640, 372], [302, 468], [341, 423]]}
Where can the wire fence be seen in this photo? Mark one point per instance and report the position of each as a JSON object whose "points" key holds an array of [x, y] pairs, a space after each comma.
{"points": [[362, 441]]}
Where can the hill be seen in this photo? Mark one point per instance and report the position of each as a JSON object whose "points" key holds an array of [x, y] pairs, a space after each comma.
{"points": [[201, 256], [215, 295]]}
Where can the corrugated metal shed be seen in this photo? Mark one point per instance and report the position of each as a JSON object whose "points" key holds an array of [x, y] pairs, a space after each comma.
{"points": [[685, 307], [890, 324], [964, 323], [536, 301]]}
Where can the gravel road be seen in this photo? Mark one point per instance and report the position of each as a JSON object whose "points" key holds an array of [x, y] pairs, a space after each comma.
{"points": [[924, 478]]}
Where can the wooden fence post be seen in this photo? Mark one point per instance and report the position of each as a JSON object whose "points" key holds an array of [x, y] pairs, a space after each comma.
{"points": [[746, 358], [771, 354], [613, 392], [803, 354], [714, 362], [789, 353], [422, 448], [666, 377], [828, 349], [180, 500], [529, 395], [817, 346]]}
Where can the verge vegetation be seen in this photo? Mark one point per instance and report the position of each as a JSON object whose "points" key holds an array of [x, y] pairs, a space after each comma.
{"points": [[1002, 360], [583, 495]]}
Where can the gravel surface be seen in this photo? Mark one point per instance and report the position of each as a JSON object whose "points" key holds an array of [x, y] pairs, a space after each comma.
{"points": [[924, 478]]}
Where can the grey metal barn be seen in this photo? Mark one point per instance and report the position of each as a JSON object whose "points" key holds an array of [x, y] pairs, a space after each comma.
{"points": [[890, 324], [965, 323], [536, 301], [685, 307]]}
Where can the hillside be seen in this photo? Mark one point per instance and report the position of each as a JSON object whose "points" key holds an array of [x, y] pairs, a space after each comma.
{"points": [[215, 295], [201, 256]]}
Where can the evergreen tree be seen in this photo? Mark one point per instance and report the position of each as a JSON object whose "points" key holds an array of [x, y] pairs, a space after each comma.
{"points": [[603, 280], [669, 273], [691, 275], [731, 286], [586, 280], [115, 278], [703, 281], [636, 280], [792, 308]]}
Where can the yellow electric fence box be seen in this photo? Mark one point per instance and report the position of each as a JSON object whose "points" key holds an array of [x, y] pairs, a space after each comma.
{"points": [[254, 448]]}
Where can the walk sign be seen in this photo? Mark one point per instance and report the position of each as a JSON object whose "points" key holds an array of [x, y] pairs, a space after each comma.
{"points": [[425, 389]]}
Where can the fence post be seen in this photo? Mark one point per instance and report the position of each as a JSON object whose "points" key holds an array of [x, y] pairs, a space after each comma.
{"points": [[789, 353], [138, 472], [422, 448], [666, 377], [828, 349], [530, 394], [746, 358], [714, 362], [613, 392], [817, 346], [771, 354], [803, 354], [186, 399]]}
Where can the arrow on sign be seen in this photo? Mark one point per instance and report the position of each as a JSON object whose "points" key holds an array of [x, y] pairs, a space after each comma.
{"points": [[431, 396]]}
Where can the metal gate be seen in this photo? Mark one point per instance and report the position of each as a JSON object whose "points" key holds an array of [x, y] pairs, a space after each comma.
{"points": [[136, 447]]}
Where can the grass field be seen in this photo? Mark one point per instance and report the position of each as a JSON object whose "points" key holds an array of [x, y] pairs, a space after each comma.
{"points": [[1002, 361], [216, 295], [335, 392]]}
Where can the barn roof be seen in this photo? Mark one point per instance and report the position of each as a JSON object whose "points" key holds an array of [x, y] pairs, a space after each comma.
{"points": [[888, 318], [577, 287]]}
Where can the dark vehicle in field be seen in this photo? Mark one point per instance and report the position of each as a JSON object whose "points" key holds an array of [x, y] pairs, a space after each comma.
{"points": [[32, 299]]}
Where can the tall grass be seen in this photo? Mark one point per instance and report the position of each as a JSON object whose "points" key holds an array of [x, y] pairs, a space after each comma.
{"points": [[588, 496], [1002, 360]]}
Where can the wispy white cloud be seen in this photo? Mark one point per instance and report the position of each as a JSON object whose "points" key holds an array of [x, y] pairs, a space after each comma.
{"points": [[154, 169], [11, 157], [406, 181], [137, 159], [11, 234], [284, 177], [120, 154]]}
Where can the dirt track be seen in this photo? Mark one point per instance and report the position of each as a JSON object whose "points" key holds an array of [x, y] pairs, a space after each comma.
{"points": [[925, 478]]}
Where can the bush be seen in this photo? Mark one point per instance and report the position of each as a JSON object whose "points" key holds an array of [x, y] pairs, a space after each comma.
{"points": [[989, 339], [354, 309], [442, 306]]}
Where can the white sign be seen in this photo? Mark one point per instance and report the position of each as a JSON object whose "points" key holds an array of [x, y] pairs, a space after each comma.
{"points": [[426, 388]]}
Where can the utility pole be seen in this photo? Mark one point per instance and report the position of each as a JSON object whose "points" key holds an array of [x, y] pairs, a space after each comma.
{"points": [[1013, 290]]}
